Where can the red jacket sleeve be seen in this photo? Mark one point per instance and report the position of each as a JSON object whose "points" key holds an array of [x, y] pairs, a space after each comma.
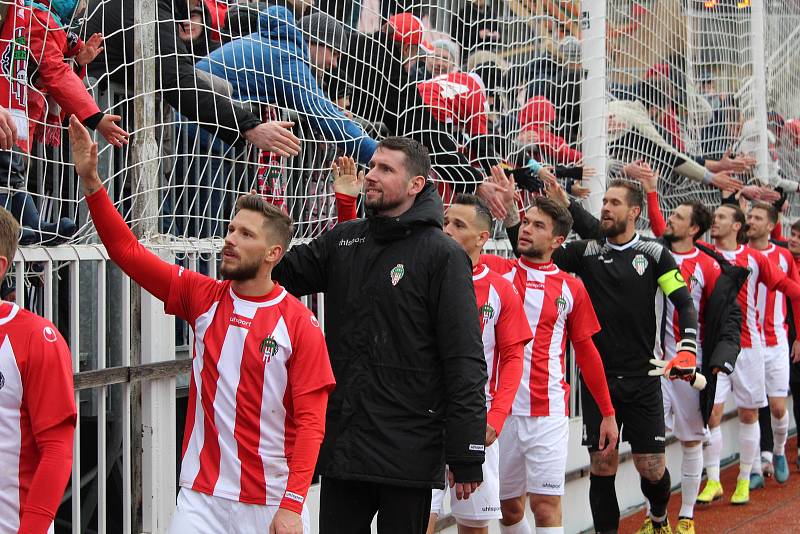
{"points": [[50, 400], [558, 148], [311, 381], [144, 267], [593, 374], [345, 207], [657, 223], [48, 43]]}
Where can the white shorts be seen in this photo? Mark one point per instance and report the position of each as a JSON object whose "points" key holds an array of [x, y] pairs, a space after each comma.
{"points": [[198, 513], [746, 381], [484, 503], [533, 455], [776, 370], [682, 414]]}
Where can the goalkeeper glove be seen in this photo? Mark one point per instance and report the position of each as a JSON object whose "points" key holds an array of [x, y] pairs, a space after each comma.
{"points": [[683, 365]]}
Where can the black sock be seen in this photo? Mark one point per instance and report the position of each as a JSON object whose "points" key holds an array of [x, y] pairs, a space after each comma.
{"points": [[603, 501], [657, 493]]}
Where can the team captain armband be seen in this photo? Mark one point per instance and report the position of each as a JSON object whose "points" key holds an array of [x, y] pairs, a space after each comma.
{"points": [[670, 281]]}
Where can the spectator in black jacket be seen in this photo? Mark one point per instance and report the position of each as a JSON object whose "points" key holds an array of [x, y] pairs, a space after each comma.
{"points": [[476, 26], [189, 94], [405, 347]]}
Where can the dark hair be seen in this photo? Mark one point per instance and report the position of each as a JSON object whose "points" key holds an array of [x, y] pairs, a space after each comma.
{"points": [[276, 221], [739, 217], [418, 162], [482, 213], [9, 235], [796, 226], [634, 194], [562, 220], [701, 217], [772, 211]]}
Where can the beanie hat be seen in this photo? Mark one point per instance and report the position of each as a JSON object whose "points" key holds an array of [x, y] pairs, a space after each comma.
{"points": [[325, 30]]}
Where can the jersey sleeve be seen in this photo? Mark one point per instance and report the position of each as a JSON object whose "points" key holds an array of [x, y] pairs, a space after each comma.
{"points": [[512, 325], [498, 264], [309, 365], [582, 321], [768, 274], [657, 223], [190, 293], [47, 381], [568, 256]]}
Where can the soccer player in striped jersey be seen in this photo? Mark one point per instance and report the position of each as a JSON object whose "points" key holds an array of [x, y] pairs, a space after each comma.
{"points": [[761, 220], [260, 373], [37, 409], [746, 382], [533, 454], [505, 333]]}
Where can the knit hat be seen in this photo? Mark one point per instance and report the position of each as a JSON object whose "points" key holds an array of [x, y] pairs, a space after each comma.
{"points": [[538, 110], [325, 30], [569, 50]]}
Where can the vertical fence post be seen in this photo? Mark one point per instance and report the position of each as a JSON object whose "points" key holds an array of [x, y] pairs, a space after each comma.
{"points": [[143, 166], [593, 97], [759, 87]]}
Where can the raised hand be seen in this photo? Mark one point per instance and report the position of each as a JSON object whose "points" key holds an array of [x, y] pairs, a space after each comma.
{"points": [[346, 179], [726, 182], [8, 129], [641, 171], [84, 156], [89, 50]]}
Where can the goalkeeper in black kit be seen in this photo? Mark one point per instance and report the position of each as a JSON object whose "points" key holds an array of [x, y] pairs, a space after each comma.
{"points": [[623, 273]]}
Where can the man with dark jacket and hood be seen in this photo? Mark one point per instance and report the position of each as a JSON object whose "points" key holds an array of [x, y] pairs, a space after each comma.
{"points": [[405, 347], [191, 95]]}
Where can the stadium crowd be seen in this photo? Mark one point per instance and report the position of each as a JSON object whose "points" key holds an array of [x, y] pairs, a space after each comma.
{"points": [[442, 367]]}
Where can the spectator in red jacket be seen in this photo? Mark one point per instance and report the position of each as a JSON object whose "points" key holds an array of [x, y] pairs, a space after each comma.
{"points": [[536, 118]]}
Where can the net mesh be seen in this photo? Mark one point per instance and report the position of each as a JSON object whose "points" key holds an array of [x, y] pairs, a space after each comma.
{"points": [[194, 87]]}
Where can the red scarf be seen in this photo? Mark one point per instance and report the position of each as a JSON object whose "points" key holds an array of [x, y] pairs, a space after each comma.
{"points": [[14, 67]]}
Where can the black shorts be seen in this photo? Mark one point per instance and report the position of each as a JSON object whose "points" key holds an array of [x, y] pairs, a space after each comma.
{"points": [[639, 407]]}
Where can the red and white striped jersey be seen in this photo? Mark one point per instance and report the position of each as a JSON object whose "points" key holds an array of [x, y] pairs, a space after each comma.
{"points": [[772, 304], [457, 98], [701, 272], [761, 271], [558, 308], [502, 317], [249, 358], [36, 394]]}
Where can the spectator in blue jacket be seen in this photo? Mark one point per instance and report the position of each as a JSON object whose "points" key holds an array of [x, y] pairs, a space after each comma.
{"points": [[274, 66]]}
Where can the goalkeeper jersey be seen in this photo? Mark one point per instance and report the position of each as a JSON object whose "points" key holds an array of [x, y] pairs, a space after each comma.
{"points": [[623, 282]]}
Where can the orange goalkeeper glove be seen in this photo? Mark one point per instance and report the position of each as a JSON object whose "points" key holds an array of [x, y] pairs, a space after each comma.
{"points": [[683, 365]]}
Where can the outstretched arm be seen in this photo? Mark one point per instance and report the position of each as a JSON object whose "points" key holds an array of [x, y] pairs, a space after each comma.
{"points": [[144, 267]]}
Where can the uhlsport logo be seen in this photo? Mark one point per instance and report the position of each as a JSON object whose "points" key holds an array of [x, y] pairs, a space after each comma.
{"points": [[268, 348], [561, 304], [487, 312], [640, 264], [396, 274]]}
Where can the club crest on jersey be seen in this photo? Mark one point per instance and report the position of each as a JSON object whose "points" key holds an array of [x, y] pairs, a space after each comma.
{"points": [[640, 264], [396, 274], [561, 304], [487, 312], [268, 348]]}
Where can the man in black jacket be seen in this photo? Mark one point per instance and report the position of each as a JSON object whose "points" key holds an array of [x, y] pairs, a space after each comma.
{"points": [[405, 347], [190, 95]]}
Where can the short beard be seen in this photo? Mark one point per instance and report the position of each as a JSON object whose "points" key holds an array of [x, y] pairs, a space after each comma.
{"points": [[616, 229], [670, 238], [242, 273], [381, 205], [531, 252]]}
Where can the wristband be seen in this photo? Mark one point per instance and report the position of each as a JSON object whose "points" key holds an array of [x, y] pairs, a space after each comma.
{"points": [[708, 177], [534, 166]]}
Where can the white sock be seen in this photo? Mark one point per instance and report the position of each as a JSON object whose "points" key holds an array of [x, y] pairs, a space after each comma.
{"points": [[780, 429], [748, 447], [549, 530], [757, 468], [520, 528], [691, 471], [766, 455], [712, 453]]}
